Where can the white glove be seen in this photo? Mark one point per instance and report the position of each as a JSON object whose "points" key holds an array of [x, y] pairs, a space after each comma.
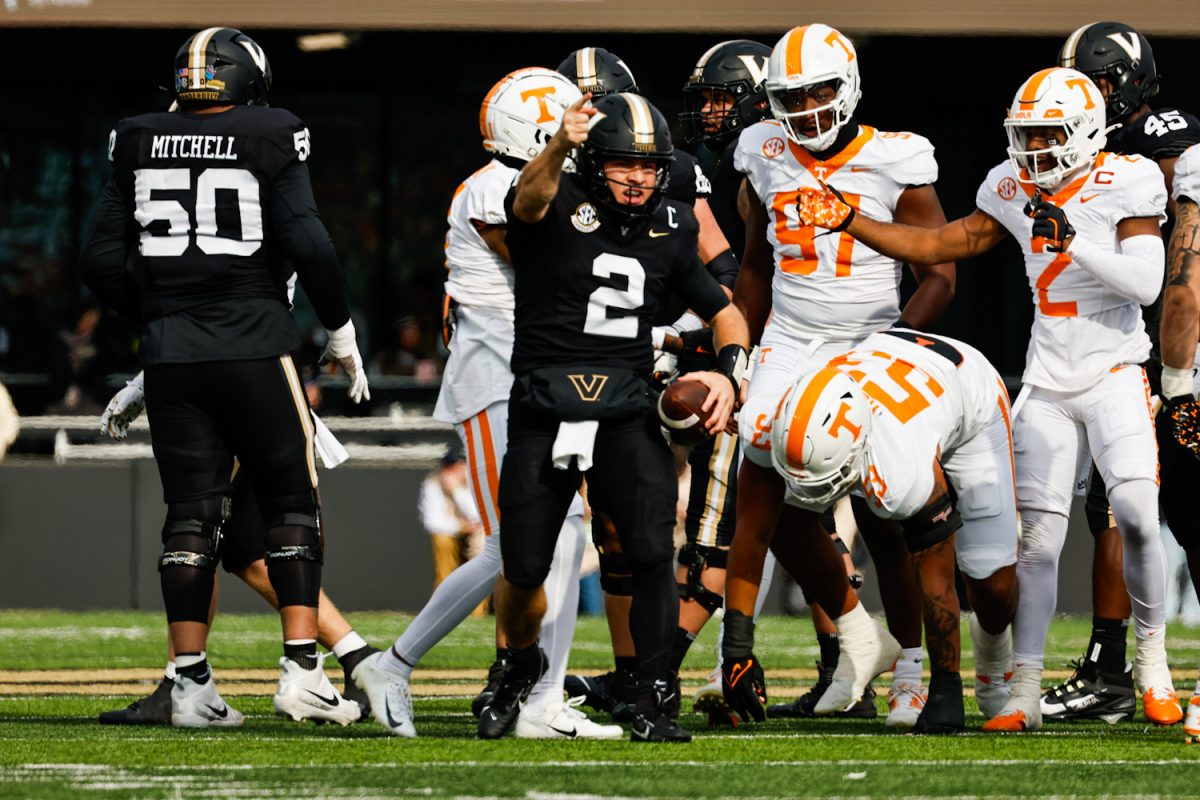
{"points": [[124, 407], [343, 348]]}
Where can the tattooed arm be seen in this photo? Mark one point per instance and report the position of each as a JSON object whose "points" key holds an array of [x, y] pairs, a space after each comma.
{"points": [[935, 575], [1181, 300]]}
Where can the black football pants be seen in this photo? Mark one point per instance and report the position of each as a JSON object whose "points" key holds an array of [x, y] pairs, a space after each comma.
{"points": [[632, 481]]}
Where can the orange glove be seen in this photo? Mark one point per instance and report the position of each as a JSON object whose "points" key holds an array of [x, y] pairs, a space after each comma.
{"points": [[824, 208]]}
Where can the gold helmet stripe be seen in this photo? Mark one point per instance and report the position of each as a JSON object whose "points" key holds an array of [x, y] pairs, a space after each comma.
{"points": [[703, 62], [1066, 57], [196, 57], [585, 66], [643, 122]]}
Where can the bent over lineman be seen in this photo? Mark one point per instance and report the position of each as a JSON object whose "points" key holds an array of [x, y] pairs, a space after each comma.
{"points": [[593, 252]]}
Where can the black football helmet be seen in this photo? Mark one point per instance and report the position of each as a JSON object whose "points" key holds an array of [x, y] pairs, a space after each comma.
{"points": [[738, 67], [598, 71], [221, 66], [627, 126], [1118, 54]]}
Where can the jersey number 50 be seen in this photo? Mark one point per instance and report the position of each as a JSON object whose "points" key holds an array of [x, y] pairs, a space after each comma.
{"points": [[148, 210]]}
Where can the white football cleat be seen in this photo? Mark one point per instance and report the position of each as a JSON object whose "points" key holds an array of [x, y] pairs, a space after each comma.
{"points": [[308, 694], [992, 693], [861, 660], [905, 703], [1191, 722], [562, 721], [196, 704], [710, 698], [391, 701], [1023, 711], [1160, 703]]}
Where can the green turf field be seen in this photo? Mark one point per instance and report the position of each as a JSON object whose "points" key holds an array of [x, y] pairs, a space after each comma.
{"points": [[50, 745]]}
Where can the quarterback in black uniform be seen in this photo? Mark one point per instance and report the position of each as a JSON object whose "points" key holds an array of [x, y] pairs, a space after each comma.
{"points": [[214, 206], [593, 252], [1120, 62], [602, 72]]}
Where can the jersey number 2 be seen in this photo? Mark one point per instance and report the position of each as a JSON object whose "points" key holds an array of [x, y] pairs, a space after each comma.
{"points": [[598, 323], [148, 210]]}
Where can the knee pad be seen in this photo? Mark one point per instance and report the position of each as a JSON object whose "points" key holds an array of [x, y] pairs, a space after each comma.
{"points": [[1042, 534], [616, 576], [1135, 507], [192, 533], [696, 558], [293, 528]]}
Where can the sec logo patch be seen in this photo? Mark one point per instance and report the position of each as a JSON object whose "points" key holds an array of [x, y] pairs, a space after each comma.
{"points": [[773, 147], [585, 219], [1007, 189]]}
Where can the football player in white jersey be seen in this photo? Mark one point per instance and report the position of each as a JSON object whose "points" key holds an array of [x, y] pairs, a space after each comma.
{"points": [[1180, 329], [518, 116], [919, 424], [823, 294], [1088, 224]]}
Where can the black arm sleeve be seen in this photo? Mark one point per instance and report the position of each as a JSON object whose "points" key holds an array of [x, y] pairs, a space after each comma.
{"points": [[699, 290], [724, 267], [298, 229], [103, 263]]}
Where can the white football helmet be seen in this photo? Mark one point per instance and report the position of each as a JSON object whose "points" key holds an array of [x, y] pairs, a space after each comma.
{"points": [[819, 437], [523, 110], [1059, 98], [804, 57]]}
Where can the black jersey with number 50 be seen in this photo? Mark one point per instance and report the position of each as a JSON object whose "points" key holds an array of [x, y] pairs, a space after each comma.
{"points": [[216, 211], [586, 289]]}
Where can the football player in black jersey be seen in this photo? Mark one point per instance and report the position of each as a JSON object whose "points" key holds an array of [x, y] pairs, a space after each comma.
{"points": [[1120, 61], [593, 252], [214, 206], [601, 72]]}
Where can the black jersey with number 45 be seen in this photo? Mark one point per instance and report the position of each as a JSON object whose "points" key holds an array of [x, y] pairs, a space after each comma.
{"points": [[216, 210], [586, 288], [1164, 133]]}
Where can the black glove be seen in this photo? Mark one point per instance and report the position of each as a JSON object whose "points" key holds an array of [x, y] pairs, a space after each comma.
{"points": [[1049, 223], [743, 682], [697, 353], [1183, 421]]}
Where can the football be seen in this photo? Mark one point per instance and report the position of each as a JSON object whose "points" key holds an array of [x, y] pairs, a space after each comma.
{"points": [[679, 410]]}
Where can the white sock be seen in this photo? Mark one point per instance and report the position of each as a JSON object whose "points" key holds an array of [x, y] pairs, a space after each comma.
{"points": [[348, 644], [856, 624], [389, 662], [452, 602], [169, 672], [908, 666], [189, 659], [993, 651], [562, 606]]}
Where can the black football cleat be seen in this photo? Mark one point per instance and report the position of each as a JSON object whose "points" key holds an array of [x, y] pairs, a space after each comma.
{"points": [[594, 690], [660, 729], [495, 671], [802, 707], [943, 713], [152, 710], [1091, 693], [652, 721], [522, 671]]}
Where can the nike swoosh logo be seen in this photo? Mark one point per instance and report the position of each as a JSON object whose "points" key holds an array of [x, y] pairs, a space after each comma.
{"points": [[658, 234], [571, 734], [329, 701], [387, 711], [1090, 197], [738, 671], [221, 712], [860, 169]]}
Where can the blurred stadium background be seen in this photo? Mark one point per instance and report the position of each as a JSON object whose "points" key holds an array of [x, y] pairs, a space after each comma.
{"points": [[391, 93]]}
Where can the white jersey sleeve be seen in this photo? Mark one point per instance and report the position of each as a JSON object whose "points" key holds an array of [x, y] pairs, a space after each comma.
{"points": [[1143, 192], [988, 198], [1187, 175]]}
